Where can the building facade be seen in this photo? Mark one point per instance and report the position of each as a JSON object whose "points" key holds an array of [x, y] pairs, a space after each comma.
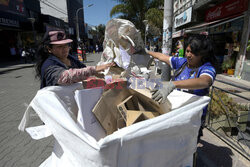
{"points": [[23, 23], [227, 24], [17, 19]]}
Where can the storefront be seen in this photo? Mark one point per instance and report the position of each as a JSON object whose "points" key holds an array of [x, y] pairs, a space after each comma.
{"points": [[227, 33], [15, 29], [225, 24], [178, 37]]}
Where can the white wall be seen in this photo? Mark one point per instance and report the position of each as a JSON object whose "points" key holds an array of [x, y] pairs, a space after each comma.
{"points": [[55, 8]]}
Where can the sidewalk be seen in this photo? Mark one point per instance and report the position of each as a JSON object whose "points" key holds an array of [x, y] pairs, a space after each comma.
{"points": [[15, 65]]}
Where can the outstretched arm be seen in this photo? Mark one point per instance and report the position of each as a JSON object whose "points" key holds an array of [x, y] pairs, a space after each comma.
{"points": [[160, 56], [76, 75], [202, 82]]}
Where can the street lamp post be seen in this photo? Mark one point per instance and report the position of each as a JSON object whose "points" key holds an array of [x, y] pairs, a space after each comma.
{"points": [[146, 30], [77, 24], [32, 20]]}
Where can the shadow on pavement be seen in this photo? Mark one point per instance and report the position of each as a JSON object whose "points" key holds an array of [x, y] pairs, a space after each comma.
{"points": [[89, 61], [212, 155]]}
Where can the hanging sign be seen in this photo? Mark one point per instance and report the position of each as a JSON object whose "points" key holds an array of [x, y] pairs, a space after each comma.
{"points": [[228, 8], [183, 18], [9, 22]]}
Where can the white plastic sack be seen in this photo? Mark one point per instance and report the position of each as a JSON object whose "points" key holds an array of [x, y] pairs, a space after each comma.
{"points": [[167, 140], [122, 38], [86, 100]]}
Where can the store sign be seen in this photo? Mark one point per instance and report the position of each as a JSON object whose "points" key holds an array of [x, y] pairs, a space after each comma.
{"points": [[12, 6], [9, 22], [183, 18], [234, 26], [228, 8], [178, 34]]}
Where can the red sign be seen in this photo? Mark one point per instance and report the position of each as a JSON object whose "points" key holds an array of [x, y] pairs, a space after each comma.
{"points": [[228, 8]]}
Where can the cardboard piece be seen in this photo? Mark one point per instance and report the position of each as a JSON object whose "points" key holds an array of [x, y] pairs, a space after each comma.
{"points": [[107, 108], [106, 111], [134, 116]]}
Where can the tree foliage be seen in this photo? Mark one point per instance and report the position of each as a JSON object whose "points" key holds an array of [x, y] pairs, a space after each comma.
{"points": [[138, 10], [98, 32]]}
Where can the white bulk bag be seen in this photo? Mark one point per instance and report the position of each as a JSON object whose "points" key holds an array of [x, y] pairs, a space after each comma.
{"points": [[167, 140]]}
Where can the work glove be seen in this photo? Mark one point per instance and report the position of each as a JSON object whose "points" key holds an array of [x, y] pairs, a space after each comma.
{"points": [[146, 50], [160, 95]]}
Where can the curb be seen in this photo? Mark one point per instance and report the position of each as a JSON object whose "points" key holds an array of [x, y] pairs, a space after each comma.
{"points": [[16, 67]]}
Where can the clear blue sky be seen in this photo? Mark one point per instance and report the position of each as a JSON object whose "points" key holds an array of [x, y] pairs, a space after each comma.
{"points": [[99, 12]]}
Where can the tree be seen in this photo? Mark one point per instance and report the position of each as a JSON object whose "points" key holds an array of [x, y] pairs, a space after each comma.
{"points": [[98, 32], [138, 10]]}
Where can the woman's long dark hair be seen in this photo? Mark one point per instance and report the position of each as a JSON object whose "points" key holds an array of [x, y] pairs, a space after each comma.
{"points": [[203, 46], [42, 53]]}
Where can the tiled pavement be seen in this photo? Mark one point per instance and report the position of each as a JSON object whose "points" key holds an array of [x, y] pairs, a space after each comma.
{"points": [[17, 88]]}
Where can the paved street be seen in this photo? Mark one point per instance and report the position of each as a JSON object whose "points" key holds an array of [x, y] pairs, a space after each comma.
{"points": [[17, 149], [17, 88]]}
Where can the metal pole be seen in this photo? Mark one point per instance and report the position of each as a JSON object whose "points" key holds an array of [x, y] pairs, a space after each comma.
{"points": [[77, 26], [146, 29], [32, 20], [167, 38]]}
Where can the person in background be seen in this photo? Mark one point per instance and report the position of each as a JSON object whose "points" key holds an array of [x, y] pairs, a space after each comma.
{"points": [[13, 52], [97, 48], [194, 74], [55, 66], [179, 49], [24, 55]]}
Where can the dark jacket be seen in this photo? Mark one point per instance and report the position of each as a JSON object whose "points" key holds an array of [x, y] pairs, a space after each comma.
{"points": [[53, 67]]}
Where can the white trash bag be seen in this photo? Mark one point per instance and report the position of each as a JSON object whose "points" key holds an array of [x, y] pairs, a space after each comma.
{"points": [[167, 140], [122, 36]]}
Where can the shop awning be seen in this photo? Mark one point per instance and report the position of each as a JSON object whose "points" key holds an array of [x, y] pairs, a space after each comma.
{"points": [[206, 25]]}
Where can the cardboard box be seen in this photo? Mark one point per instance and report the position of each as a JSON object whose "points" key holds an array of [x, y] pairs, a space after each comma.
{"points": [[107, 113]]}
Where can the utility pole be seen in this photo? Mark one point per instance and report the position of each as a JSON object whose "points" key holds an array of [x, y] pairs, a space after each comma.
{"points": [[167, 38], [243, 45]]}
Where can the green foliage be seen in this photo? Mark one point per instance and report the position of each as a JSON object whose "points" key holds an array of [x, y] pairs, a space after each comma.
{"points": [[227, 64], [217, 109], [99, 32], [155, 17], [137, 10], [248, 46]]}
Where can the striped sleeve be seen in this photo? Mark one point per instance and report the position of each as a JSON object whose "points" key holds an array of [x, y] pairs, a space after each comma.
{"points": [[75, 75], [209, 71]]}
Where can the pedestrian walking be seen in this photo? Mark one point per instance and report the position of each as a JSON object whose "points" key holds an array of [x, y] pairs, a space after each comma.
{"points": [[97, 48], [54, 64], [24, 55]]}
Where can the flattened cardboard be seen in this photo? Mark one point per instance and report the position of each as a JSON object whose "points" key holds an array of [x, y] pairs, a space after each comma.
{"points": [[106, 109], [130, 103], [133, 117], [107, 113], [145, 98]]}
